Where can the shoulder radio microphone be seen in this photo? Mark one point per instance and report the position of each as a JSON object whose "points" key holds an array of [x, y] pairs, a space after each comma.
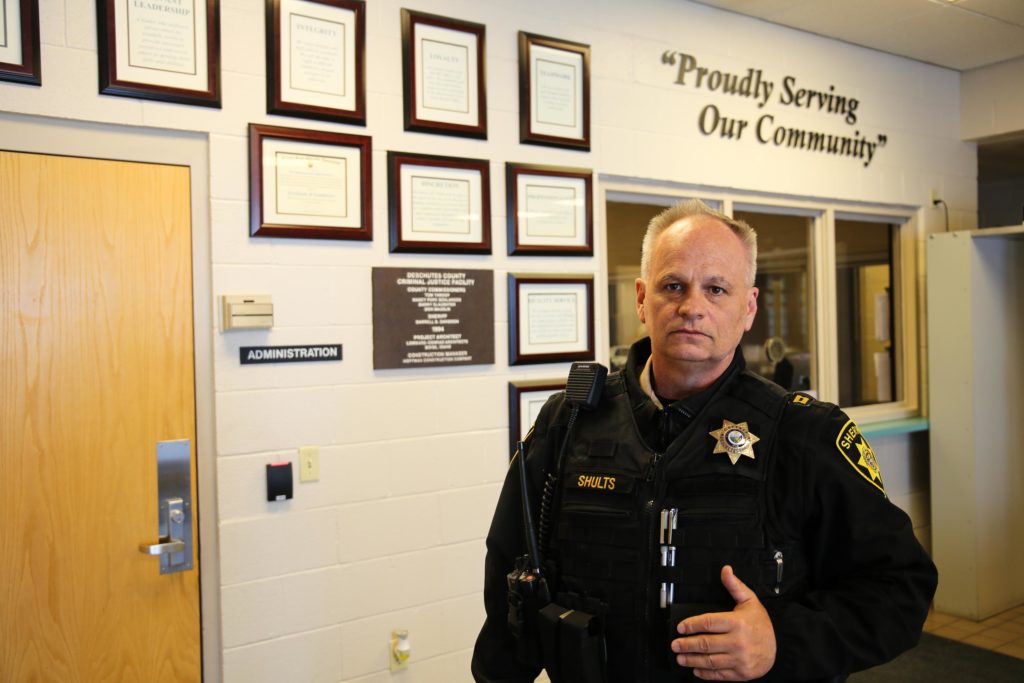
{"points": [[584, 384]]}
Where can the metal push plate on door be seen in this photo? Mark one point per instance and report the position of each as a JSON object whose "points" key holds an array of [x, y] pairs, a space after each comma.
{"points": [[174, 512]]}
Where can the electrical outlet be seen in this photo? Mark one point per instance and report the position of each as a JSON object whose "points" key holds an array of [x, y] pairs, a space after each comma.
{"points": [[309, 463]]}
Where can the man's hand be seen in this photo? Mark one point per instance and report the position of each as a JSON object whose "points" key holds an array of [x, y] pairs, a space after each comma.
{"points": [[728, 646]]}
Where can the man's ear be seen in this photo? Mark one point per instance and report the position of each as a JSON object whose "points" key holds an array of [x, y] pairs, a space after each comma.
{"points": [[641, 294], [751, 308]]}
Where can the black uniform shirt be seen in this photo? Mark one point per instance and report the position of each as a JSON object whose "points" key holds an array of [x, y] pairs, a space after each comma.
{"points": [[868, 582], [661, 424]]}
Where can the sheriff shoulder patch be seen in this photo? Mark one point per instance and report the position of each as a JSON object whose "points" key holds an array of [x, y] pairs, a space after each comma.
{"points": [[854, 447]]}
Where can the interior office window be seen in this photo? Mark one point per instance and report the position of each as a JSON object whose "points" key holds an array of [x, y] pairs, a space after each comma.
{"points": [[627, 223], [864, 302], [780, 344]]}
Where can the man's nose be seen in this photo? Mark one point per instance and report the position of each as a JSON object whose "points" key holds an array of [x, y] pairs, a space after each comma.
{"points": [[691, 305]]}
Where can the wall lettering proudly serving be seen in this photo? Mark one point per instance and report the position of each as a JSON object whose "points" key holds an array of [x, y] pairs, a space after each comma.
{"points": [[766, 129]]}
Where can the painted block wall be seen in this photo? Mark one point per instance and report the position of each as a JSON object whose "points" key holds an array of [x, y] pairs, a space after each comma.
{"points": [[992, 103], [411, 461], [992, 107]]}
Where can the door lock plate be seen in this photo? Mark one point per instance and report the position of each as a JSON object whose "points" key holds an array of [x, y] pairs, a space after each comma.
{"points": [[174, 513]]}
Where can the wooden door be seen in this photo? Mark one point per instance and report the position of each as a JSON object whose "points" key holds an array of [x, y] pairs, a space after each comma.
{"points": [[96, 367]]}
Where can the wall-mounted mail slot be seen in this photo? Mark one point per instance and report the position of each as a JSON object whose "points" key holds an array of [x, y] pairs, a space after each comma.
{"points": [[247, 312]]}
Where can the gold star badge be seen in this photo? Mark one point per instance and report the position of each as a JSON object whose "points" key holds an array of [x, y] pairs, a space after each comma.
{"points": [[734, 439]]}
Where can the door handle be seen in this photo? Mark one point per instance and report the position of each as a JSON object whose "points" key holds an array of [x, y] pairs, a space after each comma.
{"points": [[174, 516], [169, 545], [164, 548]]}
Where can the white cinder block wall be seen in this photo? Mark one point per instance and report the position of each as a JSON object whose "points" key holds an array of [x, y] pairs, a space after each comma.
{"points": [[411, 461], [992, 103]]}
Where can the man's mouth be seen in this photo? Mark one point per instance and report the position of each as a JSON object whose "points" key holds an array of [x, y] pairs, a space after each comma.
{"points": [[691, 334]]}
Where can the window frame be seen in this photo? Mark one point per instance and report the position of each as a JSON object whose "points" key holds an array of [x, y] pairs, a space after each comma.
{"points": [[908, 295]]}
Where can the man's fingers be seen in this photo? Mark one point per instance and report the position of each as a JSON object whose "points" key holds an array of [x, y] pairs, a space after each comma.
{"points": [[719, 622], [712, 661], [711, 667], [712, 622], [699, 645], [737, 589], [728, 646], [699, 651]]}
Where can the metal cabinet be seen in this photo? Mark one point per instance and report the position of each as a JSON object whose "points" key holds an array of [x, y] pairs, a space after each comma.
{"points": [[975, 356]]}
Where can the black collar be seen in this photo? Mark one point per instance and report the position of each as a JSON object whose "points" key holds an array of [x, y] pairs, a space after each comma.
{"points": [[640, 351]]}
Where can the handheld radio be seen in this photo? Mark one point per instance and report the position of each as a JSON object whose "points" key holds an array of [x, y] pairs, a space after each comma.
{"points": [[528, 589]]}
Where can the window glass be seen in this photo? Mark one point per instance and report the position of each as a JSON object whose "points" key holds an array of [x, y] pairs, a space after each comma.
{"points": [[862, 361], [627, 223], [864, 303], [780, 345]]}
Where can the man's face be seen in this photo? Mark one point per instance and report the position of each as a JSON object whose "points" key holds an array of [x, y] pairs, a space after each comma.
{"points": [[696, 301]]}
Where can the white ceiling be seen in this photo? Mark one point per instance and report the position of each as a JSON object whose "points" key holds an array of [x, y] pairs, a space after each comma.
{"points": [[957, 34]]}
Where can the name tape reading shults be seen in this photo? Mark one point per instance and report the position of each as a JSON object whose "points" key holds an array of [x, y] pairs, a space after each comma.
{"points": [[250, 355]]}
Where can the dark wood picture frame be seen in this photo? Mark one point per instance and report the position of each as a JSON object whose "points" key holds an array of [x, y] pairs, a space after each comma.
{"points": [[112, 82], [581, 240], [553, 133], [400, 223], [316, 227], [518, 318], [517, 390], [414, 92], [27, 69], [354, 55]]}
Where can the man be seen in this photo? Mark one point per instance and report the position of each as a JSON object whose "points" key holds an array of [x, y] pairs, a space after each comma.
{"points": [[701, 522]]}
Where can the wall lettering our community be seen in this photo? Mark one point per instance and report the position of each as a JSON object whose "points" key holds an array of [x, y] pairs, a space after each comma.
{"points": [[766, 129]]}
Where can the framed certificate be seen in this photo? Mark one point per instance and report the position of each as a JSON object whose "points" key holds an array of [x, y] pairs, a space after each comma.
{"points": [[439, 204], [308, 183], [549, 210], [550, 318], [443, 75], [525, 399], [554, 92], [316, 59], [160, 50], [19, 41]]}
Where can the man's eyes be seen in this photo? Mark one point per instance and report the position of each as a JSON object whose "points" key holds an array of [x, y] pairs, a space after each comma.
{"points": [[714, 290]]}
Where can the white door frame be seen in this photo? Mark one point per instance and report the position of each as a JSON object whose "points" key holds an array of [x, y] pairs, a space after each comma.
{"points": [[65, 137]]}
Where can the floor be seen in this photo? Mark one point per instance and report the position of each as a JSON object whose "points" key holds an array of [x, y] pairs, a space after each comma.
{"points": [[1003, 633]]}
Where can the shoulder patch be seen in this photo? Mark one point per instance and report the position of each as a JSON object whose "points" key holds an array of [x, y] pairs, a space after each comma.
{"points": [[854, 447], [801, 399]]}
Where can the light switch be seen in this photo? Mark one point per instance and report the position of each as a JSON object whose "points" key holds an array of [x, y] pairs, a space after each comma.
{"points": [[309, 463]]}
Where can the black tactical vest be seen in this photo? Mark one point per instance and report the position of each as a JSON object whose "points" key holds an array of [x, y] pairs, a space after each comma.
{"points": [[616, 496]]}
